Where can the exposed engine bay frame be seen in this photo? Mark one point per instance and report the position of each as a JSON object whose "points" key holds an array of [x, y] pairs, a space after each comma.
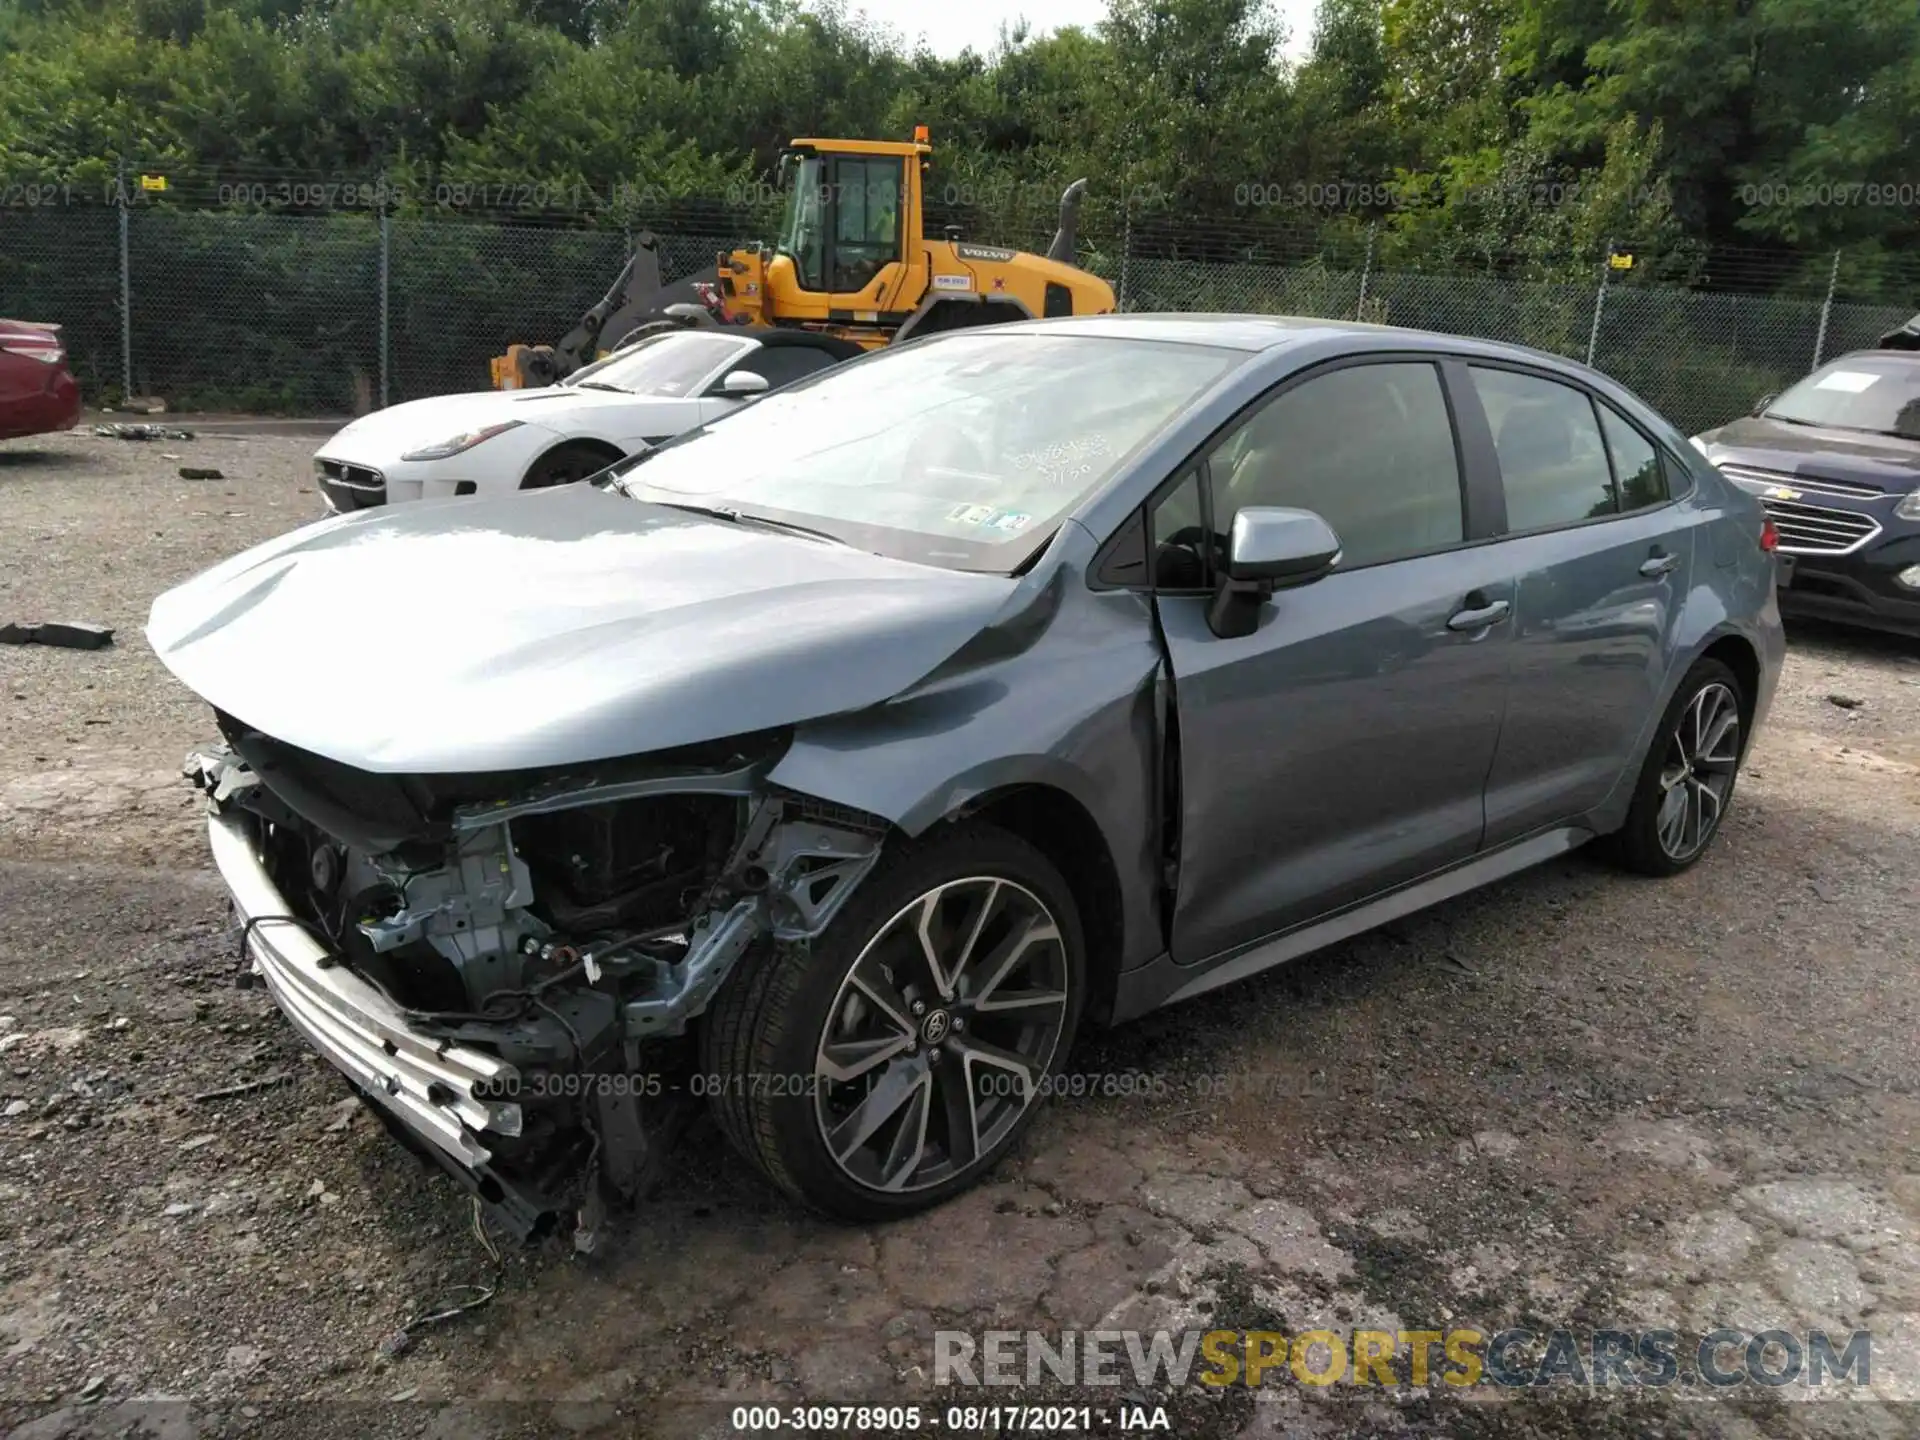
{"points": [[533, 1058]]}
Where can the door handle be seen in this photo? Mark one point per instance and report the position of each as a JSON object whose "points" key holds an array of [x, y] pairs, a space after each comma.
{"points": [[1657, 564], [1479, 617]]}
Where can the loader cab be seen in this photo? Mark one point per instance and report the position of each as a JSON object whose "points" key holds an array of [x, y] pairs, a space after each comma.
{"points": [[849, 242]]}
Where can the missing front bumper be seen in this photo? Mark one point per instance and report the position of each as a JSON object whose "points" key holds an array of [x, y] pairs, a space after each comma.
{"points": [[435, 1088]]}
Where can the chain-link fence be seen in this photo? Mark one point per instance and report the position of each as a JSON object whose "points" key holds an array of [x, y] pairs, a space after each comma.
{"points": [[338, 313]]}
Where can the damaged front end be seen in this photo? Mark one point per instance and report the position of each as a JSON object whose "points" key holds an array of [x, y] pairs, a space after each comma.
{"points": [[508, 965]]}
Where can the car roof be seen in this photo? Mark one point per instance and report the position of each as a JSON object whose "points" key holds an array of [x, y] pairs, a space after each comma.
{"points": [[1257, 333]]}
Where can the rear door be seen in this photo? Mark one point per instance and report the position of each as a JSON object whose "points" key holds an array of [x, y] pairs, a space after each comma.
{"points": [[1602, 556], [1342, 748]]}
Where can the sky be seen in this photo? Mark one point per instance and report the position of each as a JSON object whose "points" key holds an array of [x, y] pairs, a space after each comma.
{"points": [[950, 28]]}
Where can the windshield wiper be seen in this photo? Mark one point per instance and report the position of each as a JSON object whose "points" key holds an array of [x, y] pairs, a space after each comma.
{"points": [[599, 385], [739, 517]]}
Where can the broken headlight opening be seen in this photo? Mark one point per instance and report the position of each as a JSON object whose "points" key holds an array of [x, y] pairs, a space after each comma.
{"points": [[509, 965]]}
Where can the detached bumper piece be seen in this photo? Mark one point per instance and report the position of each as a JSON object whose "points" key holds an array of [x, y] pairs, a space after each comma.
{"points": [[67, 634]]}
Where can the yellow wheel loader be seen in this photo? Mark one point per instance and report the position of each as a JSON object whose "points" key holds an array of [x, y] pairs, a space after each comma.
{"points": [[852, 260]]}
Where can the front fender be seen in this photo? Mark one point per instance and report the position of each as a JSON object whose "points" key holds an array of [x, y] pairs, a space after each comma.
{"points": [[1067, 703]]}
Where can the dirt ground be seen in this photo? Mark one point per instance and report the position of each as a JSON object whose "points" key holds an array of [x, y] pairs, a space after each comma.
{"points": [[1572, 1100]]}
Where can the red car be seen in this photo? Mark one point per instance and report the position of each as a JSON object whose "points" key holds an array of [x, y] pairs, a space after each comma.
{"points": [[37, 391]]}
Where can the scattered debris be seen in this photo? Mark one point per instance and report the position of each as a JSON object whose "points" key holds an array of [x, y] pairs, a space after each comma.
{"points": [[168, 455], [95, 1384], [400, 1341], [15, 1107], [1845, 702], [124, 431], [143, 405], [198, 1142], [394, 1346], [200, 472], [66, 634], [343, 1115], [226, 1092], [177, 1209]]}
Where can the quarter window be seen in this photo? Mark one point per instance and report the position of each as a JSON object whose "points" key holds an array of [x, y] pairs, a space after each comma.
{"points": [[1553, 463], [1636, 465], [1369, 448], [1178, 538]]}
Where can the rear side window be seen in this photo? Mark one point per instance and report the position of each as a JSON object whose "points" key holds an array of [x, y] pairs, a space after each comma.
{"points": [[1553, 463], [1369, 448], [1636, 465]]}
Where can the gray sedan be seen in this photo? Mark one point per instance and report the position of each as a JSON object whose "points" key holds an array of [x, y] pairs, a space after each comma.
{"points": [[834, 764]]}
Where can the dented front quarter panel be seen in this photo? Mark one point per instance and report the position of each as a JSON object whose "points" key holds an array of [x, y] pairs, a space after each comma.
{"points": [[1059, 690]]}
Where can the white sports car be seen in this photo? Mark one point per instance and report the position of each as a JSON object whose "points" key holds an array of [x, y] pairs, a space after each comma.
{"points": [[498, 440]]}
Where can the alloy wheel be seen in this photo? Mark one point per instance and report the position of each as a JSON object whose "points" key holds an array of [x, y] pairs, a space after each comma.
{"points": [[941, 1034], [1697, 775]]}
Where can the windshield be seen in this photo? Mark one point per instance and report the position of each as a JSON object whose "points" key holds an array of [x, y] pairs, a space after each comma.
{"points": [[964, 451], [665, 366], [803, 231], [1879, 393]]}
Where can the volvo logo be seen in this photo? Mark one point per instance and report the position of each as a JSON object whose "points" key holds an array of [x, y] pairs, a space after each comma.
{"points": [[934, 1028]]}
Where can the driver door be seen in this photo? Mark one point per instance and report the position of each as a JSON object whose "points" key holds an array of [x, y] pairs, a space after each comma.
{"points": [[1343, 747]]}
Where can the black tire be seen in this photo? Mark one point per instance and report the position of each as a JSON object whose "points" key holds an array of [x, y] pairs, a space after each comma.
{"points": [[566, 464], [1646, 842], [766, 1036]]}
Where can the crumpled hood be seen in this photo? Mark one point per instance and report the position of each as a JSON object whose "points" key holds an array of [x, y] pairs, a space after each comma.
{"points": [[549, 628], [1885, 462]]}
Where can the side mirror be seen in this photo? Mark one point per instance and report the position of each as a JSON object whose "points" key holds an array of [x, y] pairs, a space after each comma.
{"points": [[744, 382], [1271, 548], [1760, 405]]}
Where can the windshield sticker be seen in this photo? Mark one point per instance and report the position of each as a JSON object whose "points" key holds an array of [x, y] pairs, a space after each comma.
{"points": [[1851, 381], [1066, 462], [1010, 521], [970, 514]]}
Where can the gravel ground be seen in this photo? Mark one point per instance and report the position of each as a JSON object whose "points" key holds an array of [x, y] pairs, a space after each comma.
{"points": [[1574, 1099]]}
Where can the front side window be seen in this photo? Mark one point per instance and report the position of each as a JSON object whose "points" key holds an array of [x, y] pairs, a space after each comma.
{"points": [[1553, 463], [1369, 448], [963, 451], [803, 231], [665, 367], [783, 364]]}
